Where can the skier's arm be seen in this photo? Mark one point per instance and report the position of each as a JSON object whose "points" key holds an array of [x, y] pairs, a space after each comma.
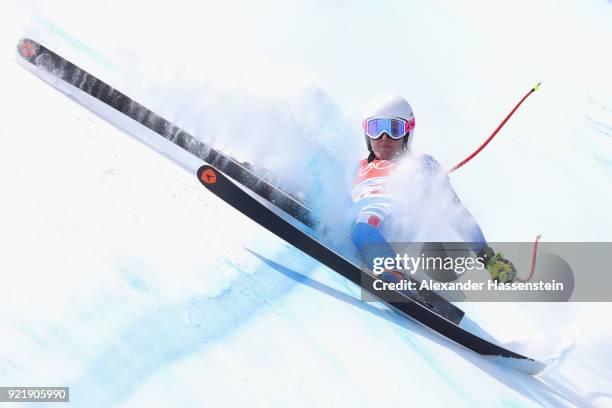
{"points": [[459, 217], [500, 268], [370, 215], [370, 243]]}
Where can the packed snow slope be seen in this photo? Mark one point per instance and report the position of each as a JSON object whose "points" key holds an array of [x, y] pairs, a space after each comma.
{"points": [[125, 280]]}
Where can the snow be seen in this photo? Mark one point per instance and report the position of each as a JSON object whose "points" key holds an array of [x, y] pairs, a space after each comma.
{"points": [[127, 281]]}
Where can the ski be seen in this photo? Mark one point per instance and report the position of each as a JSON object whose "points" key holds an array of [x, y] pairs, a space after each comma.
{"points": [[60, 68], [444, 322]]}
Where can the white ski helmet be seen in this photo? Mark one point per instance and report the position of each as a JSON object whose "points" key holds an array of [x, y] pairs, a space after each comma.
{"points": [[389, 105]]}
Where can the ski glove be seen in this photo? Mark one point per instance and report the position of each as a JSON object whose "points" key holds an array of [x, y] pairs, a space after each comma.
{"points": [[500, 269]]}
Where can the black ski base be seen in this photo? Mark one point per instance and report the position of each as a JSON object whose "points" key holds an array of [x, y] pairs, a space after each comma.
{"points": [[42, 57], [223, 187]]}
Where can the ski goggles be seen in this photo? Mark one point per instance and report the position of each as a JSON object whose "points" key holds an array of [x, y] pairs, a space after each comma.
{"points": [[396, 128]]}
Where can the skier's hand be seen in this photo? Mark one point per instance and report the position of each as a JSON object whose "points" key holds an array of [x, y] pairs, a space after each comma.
{"points": [[500, 269]]}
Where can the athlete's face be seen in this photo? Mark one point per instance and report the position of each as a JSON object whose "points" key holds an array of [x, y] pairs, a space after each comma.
{"points": [[386, 148]]}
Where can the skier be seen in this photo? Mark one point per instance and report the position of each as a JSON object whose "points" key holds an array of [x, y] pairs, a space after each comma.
{"points": [[388, 124]]}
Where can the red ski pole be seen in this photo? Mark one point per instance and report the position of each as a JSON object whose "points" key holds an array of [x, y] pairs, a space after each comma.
{"points": [[486, 142]]}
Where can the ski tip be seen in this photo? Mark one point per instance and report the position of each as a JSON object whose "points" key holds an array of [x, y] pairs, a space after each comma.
{"points": [[525, 365], [28, 48], [207, 174]]}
